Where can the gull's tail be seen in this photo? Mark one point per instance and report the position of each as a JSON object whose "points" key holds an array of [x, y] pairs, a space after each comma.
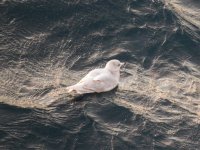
{"points": [[71, 89], [79, 89]]}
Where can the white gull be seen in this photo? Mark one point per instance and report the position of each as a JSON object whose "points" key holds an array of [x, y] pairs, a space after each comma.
{"points": [[99, 80]]}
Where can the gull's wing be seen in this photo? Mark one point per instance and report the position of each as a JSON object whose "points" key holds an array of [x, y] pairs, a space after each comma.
{"points": [[98, 80], [100, 83], [92, 74]]}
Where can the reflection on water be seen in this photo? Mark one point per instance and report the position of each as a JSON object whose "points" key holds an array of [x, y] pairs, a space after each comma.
{"points": [[46, 46], [187, 12]]}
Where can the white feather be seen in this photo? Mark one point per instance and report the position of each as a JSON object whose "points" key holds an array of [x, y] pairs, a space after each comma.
{"points": [[99, 80]]}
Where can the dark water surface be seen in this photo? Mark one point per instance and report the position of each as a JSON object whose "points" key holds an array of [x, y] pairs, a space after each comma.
{"points": [[46, 45]]}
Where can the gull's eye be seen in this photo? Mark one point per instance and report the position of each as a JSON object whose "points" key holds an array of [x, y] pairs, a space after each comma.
{"points": [[118, 65]]}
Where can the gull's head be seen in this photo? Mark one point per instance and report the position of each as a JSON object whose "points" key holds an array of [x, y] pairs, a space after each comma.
{"points": [[114, 65]]}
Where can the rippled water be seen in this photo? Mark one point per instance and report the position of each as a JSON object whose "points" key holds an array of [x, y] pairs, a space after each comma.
{"points": [[48, 45]]}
